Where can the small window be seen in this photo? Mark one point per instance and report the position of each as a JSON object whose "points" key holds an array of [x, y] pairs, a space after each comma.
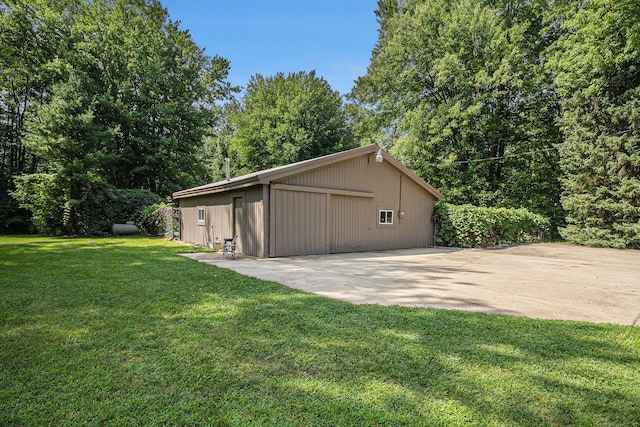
{"points": [[200, 214], [385, 217]]}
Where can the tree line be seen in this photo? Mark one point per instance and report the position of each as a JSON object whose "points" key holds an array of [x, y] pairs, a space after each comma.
{"points": [[514, 103], [101, 100], [506, 103]]}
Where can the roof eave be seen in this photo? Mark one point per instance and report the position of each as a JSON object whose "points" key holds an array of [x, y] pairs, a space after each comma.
{"points": [[267, 176], [215, 188]]}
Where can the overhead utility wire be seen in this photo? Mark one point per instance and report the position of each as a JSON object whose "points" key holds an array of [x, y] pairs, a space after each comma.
{"points": [[527, 153]]}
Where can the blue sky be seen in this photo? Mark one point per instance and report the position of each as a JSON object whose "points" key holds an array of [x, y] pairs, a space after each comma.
{"points": [[333, 37]]}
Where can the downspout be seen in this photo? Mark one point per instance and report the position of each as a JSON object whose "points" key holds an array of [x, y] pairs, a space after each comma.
{"points": [[270, 245], [400, 210], [400, 197]]}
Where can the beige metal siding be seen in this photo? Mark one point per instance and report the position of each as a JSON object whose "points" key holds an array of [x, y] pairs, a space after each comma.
{"points": [[217, 219], [353, 174], [300, 223], [306, 223], [386, 185], [253, 237], [352, 223], [190, 229], [417, 226]]}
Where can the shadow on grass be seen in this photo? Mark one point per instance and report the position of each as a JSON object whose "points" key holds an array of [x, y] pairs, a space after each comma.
{"points": [[124, 332], [404, 366]]}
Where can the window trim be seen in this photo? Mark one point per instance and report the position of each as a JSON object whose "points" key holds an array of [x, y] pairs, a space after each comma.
{"points": [[387, 213], [201, 218]]}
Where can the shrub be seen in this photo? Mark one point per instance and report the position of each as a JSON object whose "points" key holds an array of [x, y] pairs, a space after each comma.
{"points": [[98, 206], [128, 205], [472, 226], [619, 236], [157, 220], [40, 194]]}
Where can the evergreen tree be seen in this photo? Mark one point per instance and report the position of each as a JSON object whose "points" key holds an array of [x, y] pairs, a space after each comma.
{"points": [[138, 93], [66, 134], [156, 85], [598, 71]]}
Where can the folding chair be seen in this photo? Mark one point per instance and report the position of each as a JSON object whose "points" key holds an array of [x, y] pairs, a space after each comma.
{"points": [[229, 247]]}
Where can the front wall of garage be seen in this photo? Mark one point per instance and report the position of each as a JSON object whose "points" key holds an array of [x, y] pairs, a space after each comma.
{"points": [[351, 224], [300, 223], [316, 220], [353, 174], [416, 226]]}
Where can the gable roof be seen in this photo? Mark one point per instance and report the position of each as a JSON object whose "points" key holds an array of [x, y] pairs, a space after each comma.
{"points": [[266, 176]]}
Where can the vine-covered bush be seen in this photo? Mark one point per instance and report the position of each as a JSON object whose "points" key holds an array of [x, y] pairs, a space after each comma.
{"points": [[157, 220], [470, 226], [128, 204]]}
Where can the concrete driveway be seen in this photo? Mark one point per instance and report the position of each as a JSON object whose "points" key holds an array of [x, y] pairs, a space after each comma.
{"points": [[545, 281]]}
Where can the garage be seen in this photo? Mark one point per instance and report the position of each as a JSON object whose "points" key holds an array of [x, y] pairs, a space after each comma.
{"points": [[357, 200]]}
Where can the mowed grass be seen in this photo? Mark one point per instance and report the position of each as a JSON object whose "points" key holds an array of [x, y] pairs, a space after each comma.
{"points": [[123, 331]]}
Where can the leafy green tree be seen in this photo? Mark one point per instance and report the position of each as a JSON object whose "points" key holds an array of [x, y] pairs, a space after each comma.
{"points": [[32, 33], [453, 82], [285, 119], [217, 145], [598, 72], [113, 95]]}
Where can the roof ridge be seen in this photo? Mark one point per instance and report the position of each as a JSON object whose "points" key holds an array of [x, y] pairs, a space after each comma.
{"points": [[265, 176]]}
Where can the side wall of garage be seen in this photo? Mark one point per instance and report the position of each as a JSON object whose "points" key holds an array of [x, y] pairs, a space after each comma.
{"points": [[225, 214], [216, 224]]}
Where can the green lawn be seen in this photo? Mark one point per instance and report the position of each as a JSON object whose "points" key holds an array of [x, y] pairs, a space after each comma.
{"points": [[122, 331]]}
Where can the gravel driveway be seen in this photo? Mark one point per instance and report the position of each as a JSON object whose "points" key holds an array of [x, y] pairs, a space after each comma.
{"points": [[546, 281]]}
